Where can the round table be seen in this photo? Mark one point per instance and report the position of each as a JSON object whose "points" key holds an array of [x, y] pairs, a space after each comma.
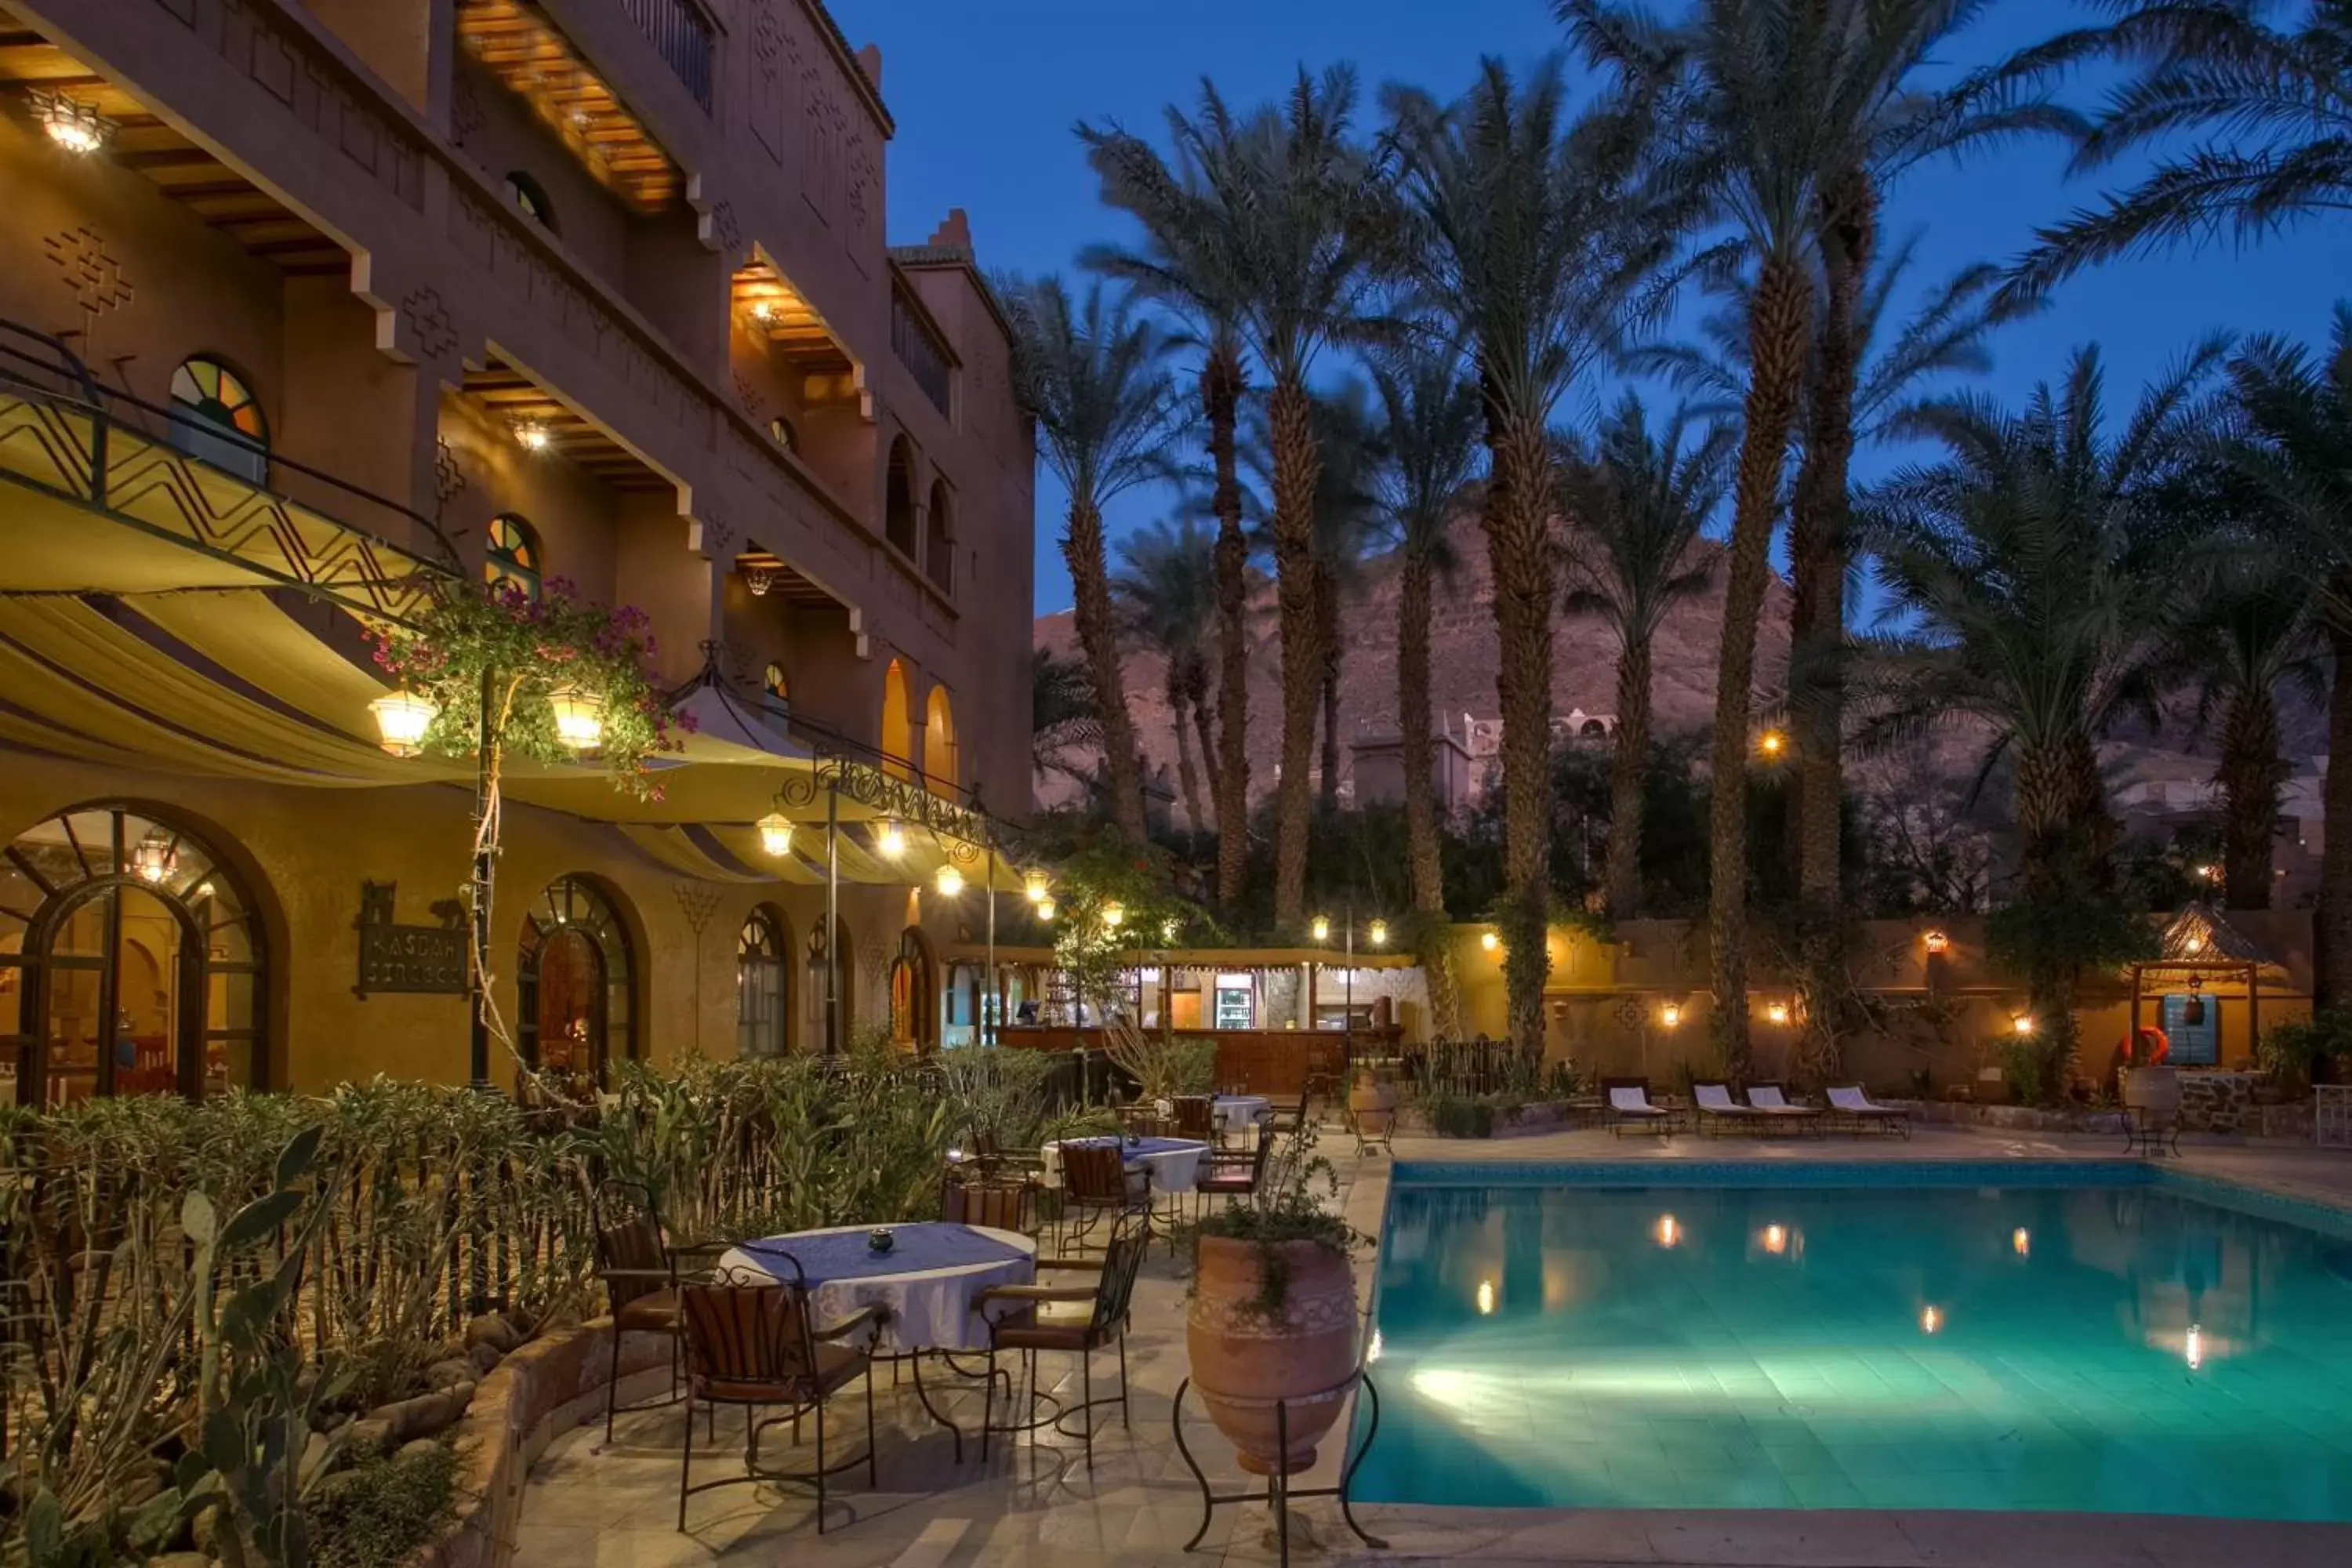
{"points": [[1239, 1111], [1175, 1164], [928, 1279]]}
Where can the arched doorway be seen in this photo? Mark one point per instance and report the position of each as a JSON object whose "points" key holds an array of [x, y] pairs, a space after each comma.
{"points": [[942, 766], [576, 983], [820, 1029], [914, 994], [898, 723], [763, 988], [135, 960]]}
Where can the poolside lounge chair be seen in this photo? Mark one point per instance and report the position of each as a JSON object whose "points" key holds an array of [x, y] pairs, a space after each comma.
{"points": [[1853, 1110], [1719, 1113], [1768, 1098], [1629, 1106]]}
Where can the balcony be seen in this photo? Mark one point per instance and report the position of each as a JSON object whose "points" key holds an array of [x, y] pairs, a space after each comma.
{"points": [[680, 33], [918, 348]]}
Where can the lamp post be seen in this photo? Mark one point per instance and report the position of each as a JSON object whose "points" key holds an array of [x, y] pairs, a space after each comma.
{"points": [[1376, 932]]}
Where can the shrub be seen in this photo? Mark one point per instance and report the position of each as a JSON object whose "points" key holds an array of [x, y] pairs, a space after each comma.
{"points": [[379, 1511], [2289, 1051]]}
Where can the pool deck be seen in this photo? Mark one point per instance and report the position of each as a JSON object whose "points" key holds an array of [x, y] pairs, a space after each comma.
{"points": [[1037, 1506]]}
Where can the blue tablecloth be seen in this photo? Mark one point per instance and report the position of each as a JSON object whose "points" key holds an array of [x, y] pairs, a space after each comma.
{"points": [[925, 1244], [1137, 1152]]}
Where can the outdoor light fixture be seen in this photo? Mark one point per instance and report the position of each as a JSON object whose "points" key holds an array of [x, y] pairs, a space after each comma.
{"points": [[1044, 909], [1114, 913], [77, 127], [2209, 873], [579, 718], [2022, 1023], [1167, 929], [1377, 933], [153, 857], [1668, 1230], [1372, 1351], [1321, 928], [401, 720], [1770, 743], [2193, 1347], [2020, 1242], [1485, 1298], [533, 435], [1671, 1016], [1777, 1012], [1931, 1320], [949, 881], [1774, 1239], [759, 579], [1490, 941], [775, 834], [1936, 943], [888, 839], [763, 309], [1039, 891], [2194, 944]]}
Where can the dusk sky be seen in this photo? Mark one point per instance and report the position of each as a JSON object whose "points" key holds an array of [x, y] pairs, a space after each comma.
{"points": [[985, 97]]}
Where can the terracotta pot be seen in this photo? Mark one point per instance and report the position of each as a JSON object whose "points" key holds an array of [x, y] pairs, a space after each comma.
{"points": [[2156, 1090], [1372, 1103], [1244, 1359]]}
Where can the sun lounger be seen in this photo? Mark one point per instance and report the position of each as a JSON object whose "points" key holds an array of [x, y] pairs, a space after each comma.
{"points": [[1629, 1106], [1718, 1110], [1768, 1098], [1854, 1109]]}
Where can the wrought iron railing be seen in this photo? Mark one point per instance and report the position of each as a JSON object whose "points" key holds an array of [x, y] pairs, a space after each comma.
{"points": [[921, 352], [680, 33]]}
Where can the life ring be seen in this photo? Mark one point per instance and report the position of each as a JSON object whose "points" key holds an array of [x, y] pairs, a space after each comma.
{"points": [[2154, 1047]]}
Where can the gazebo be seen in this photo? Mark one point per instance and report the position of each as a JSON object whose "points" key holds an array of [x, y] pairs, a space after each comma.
{"points": [[2200, 944]]}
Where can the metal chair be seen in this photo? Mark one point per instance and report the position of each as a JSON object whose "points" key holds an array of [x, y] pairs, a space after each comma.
{"points": [[750, 1342], [641, 1280], [1095, 1182], [1196, 1117], [1238, 1172], [969, 1196], [1078, 1318]]}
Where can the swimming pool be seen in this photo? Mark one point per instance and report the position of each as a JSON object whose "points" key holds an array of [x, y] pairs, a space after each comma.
{"points": [[2105, 1338]]}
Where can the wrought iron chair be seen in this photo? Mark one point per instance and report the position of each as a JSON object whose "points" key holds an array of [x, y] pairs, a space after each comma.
{"points": [[996, 1199], [1195, 1117], [1095, 1182], [1143, 1119], [750, 1342], [1238, 1172], [1078, 1318], [1289, 1121], [641, 1280]]}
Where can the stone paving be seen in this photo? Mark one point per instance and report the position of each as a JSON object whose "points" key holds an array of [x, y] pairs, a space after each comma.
{"points": [[1037, 1505]]}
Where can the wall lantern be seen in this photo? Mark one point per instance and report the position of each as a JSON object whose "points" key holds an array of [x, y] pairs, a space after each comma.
{"points": [[775, 834], [1671, 1016], [1772, 742], [949, 881], [401, 720], [579, 718], [77, 127], [1777, 1012], [1936, 943], [152, 857], [888, 839], [2022, 1023], [1490, 941]]}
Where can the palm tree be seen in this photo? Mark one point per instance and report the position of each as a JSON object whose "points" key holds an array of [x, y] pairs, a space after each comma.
{"points": [[2039, 577], [1640, 500], [1785, 117], [1194, 221], [1166, 592], [2291, 443], [1093, 378], [1526, 243], [2276, 102], [1061, 715]]}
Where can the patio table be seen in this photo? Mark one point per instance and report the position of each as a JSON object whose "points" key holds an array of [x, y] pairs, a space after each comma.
{"points": [[928, 1279], [1230, 1111], [1175, 1164]]}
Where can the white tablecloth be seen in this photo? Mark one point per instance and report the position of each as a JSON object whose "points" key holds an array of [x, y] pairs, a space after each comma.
{"points": [[1174, 1170], [1231, 1112], [930, 1308]]}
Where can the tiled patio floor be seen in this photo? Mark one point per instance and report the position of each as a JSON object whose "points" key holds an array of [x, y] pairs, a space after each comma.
{"points": [[1038, 1507]]}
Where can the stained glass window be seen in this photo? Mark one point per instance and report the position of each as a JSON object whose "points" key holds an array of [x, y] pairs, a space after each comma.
{"points": [[216, 418], [514, 556]]}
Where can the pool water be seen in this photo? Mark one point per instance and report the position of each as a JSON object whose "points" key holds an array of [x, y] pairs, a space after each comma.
{"points": [[2114, 1348]]}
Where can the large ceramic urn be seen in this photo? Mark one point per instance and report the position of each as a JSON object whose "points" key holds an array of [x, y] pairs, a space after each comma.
{"points": [[1371, 1101], [1248, 1351], [2152, 1092]]}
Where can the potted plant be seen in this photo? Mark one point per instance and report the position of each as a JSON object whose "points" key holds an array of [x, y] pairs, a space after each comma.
{"points": [[1273, 1315], [2148, 1086]]}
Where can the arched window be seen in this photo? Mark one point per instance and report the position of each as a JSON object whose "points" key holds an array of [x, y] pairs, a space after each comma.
{"points": [[775, 690], [761, 992], [216, 418], [940, 769], [899, 500], [914, 994], [781, 431], [133, 961], [938, 541], [576, 983], [821, 1026], [898, 723], [529, 198], [514, 559]]}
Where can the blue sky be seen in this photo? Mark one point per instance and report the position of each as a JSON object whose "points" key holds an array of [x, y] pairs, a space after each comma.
{"points": [[985, 97]]}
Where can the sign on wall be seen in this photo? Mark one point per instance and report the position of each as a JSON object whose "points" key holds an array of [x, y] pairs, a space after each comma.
{"points": [[398, 959]]}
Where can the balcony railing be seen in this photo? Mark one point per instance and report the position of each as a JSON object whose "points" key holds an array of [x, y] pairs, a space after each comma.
{"points": [[912, 341], [681, 35]]}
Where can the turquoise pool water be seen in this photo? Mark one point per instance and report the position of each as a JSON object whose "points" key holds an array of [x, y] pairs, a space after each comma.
{"points": [[2105, 1341]]}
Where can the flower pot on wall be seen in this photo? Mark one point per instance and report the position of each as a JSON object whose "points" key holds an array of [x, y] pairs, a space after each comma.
{"points": [[1251, 1345], [2152, 1091]]}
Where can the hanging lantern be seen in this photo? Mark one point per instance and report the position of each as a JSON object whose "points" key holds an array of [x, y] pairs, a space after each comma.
{"points": [[1114, 913], [888, 839], [775, 834], [153, 857], [1321, 928], [401, 720], [579, 718], [1036, 887], [1777, 1012], [1490, 941], [1936, 943], [1377, 933], [949, 881], [1044, 909], [759, 579], [71, 124]]}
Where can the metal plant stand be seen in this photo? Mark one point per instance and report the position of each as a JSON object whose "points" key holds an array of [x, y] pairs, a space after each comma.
{"points": [[1278, 1491], [2151, 1135]]}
